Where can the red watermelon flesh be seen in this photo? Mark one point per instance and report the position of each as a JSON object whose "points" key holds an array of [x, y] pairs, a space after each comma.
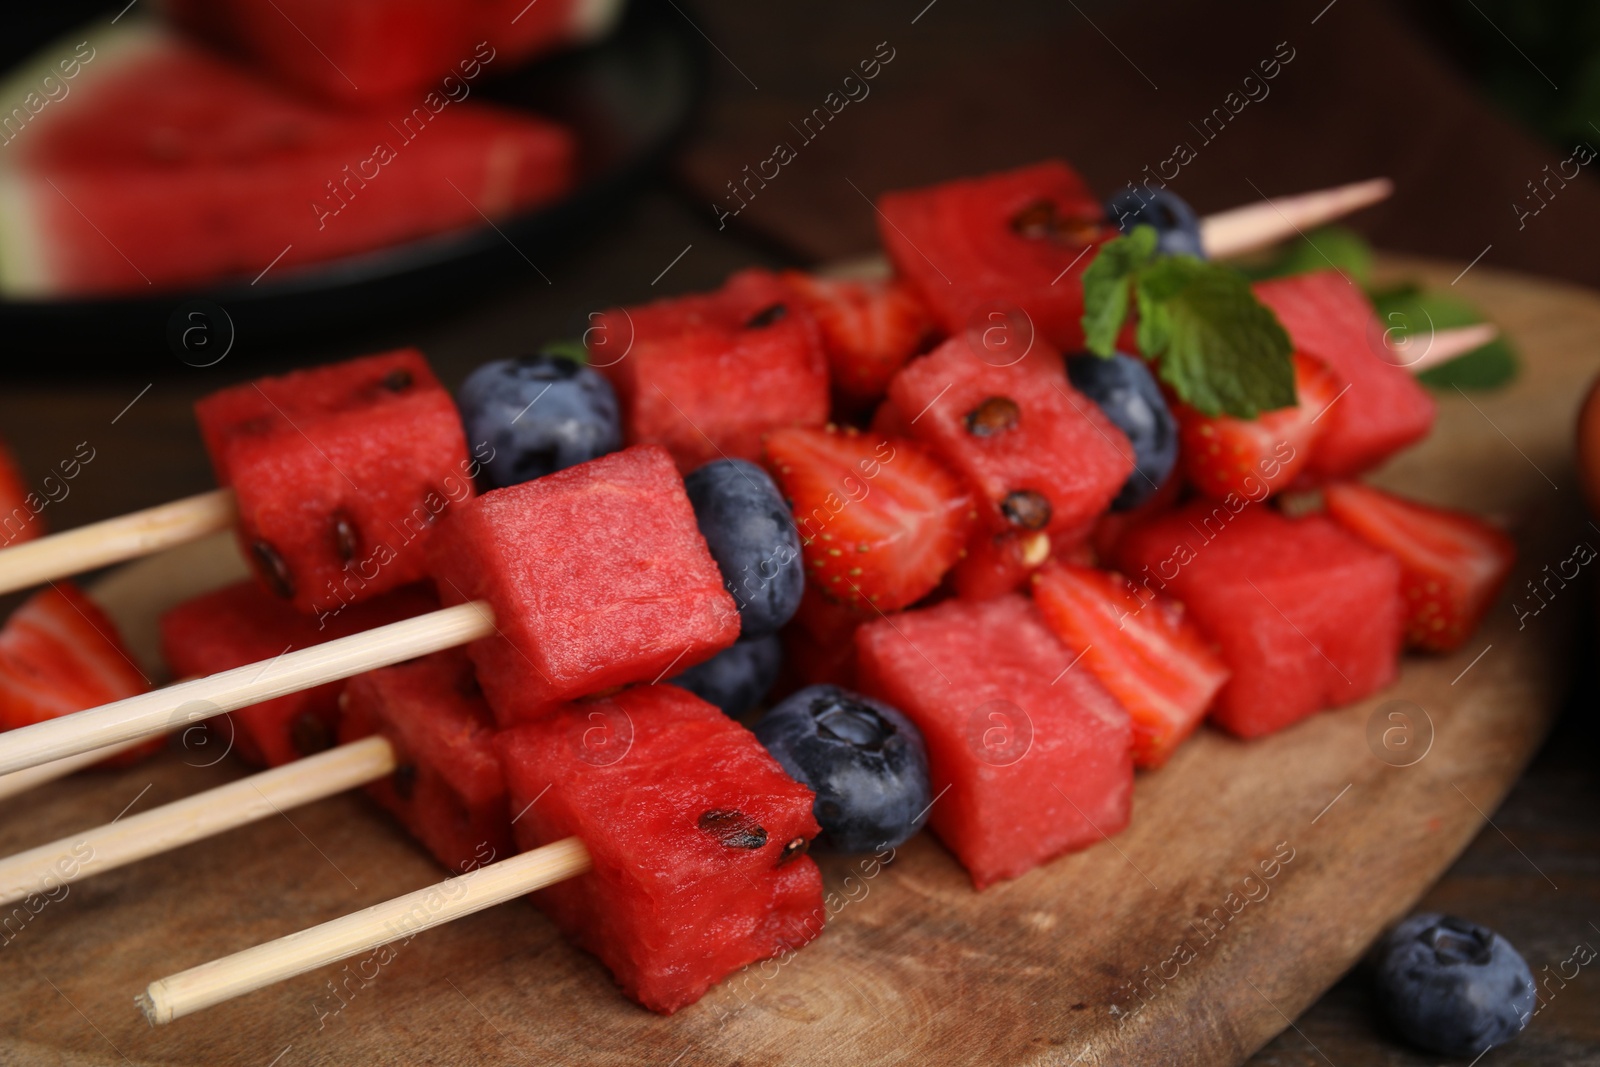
{"points": [[977, 247], [170, 167], [696, 834], [1040, 453], [597, 575], [1382, 409], [1306, 616], [19, 508], [706, 375], [59, 653], [1036, 756], [447, 788], [341, 473], [242, 624], [363, 51]]}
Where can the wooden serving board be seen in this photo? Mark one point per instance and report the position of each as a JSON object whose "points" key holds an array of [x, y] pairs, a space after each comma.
{"points": [[1253, 875]]}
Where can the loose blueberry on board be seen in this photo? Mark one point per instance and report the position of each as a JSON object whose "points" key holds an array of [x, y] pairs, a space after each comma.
{"points": [[865, 761], [540, 413], [1127, 392], [1452, 986], [1177, 226], [752, 537], [736, 678]]}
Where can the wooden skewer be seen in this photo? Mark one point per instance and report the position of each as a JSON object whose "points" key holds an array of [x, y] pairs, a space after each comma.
{"points": [[116, 540], [165, 709], [21, 781], [261, 966], [195, 818], [1417, 356], [1266, 222]]}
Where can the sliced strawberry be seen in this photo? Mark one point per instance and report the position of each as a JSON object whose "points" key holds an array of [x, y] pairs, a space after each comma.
{"points": [[1254, 458], [1452, 564], [1139, 645], [869, 329], [59, 653], [18, 522], [819, 646], [997, 564], [880, 520]]}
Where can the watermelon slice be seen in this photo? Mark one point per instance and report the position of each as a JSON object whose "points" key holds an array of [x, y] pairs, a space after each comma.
{"points": [[19, 508], [977, 248], [340, 473], [59, 653], [598, 577], [1382, 409], [362, 51], [1036, 756], [447, 789], [1306, 616], [696, 834], [707, 375], [171, 168], [1041, 455], [242, 624]]}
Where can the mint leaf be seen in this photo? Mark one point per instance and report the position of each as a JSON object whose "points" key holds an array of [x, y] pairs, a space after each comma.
{"points": [[570, 348], [1106, 281], [1220, 349]]}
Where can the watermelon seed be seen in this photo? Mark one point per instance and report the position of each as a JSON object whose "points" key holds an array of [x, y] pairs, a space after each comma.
{"points": [[344, 537], [995, 415], [397, 380], [733, 829], [1027, 509], [405, 780], [274, 569], [797, 847], [309, 734], [766, 317]]}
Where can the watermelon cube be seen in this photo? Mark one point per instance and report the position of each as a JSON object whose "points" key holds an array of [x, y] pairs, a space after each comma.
{"points": [[1029, 758], [697, 836], [977, 249], [1040, 454], [340, 473], [705, 376], [1306, 616], [242, 624], [173, 167], [447, 789], [597, 575], [1382, 408]]}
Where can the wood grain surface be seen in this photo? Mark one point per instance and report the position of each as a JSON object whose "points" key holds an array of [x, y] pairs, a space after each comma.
{"points": [[1102, 957]]}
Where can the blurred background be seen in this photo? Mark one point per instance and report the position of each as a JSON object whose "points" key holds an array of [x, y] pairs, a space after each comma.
{"points": [[1479, 110]]}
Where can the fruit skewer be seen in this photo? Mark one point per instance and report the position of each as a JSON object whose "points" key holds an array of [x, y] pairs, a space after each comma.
{"points": [[144, 532]]}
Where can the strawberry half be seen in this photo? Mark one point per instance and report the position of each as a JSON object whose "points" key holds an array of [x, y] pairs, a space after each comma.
{"points": [[59, 653], [997, 564], [880, 520], [1453, 564], [18, 523], [1254, 458], [1140, 645], [869, 329]]}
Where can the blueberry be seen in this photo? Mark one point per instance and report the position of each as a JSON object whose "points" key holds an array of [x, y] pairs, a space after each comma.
{"points": [[1126, 391], [539, 413], [736, 678], [864, 760], [1452, 986], [753, 539], [1177, 226]]}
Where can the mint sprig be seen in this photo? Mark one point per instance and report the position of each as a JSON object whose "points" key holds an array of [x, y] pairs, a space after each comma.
{"points": [[1222, 351]]}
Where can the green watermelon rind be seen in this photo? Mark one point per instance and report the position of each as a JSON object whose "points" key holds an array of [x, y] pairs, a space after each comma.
{"points": [[26, 268]]}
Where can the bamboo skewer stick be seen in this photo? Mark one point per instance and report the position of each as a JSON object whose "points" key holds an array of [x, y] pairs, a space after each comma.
{"points": [[1442, 346], [194, 818], [165, 709], [255, 968], [116, 540], [1266, 222], [21, 781]]}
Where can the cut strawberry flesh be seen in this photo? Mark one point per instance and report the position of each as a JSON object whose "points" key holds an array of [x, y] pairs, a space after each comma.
{"points": [[1143, 648], [1453, 565], [880, 520], [869, 330]]}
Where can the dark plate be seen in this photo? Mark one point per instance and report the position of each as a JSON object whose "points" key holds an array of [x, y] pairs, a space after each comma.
{"points": [[626, 99]]}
